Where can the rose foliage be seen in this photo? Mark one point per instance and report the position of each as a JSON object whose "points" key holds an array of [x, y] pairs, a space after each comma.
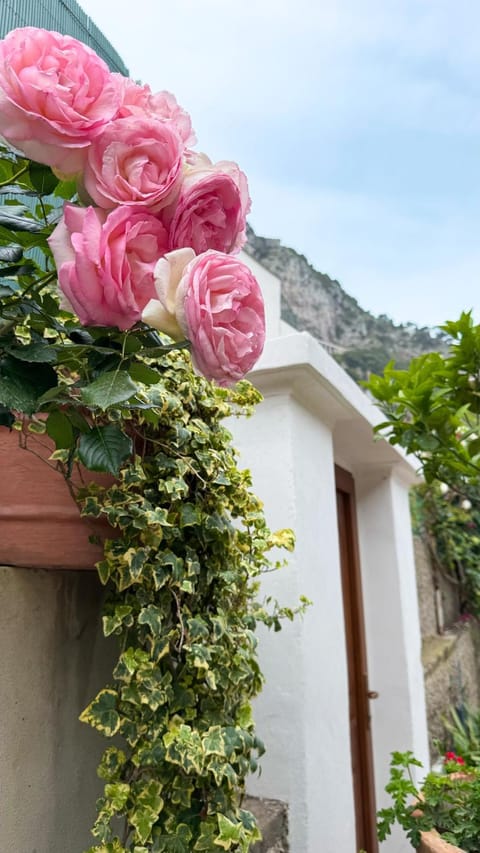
{"points": [[100, 304]]}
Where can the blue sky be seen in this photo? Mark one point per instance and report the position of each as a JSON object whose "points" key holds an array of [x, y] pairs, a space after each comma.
{"points": [[356, 121]]}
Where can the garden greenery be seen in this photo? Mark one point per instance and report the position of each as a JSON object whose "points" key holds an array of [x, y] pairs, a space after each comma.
{"points": [[449, 524], [448, 802], [432, 410]]}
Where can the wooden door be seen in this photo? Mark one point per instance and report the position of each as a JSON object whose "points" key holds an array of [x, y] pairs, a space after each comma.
{"points": [[360, 732]]}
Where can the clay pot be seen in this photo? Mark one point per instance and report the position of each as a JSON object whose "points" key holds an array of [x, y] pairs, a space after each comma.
{"points": [[432, 842], [40, 522]]}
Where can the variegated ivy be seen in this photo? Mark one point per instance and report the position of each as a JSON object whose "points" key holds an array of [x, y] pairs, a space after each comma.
{"points": [[182, 582]]}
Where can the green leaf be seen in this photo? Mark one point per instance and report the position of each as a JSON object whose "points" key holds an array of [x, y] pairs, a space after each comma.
{"points": [[19, 223], [17, 395], [65, 189], [118, 793], [6, 417], [102, 713], [59, 428], [21, 384], [143, 373], [151, 616], [230, 833], [143, 820], [11, 254], [42, 178], [41, 353], [104, 449], [110, 388]]}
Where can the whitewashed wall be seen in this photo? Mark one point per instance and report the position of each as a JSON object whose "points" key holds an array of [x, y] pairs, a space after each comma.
{"points": [[312, 417]]}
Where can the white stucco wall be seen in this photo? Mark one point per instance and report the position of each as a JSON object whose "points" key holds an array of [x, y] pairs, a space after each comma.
{"points": [[312, 417], [294, 713]]}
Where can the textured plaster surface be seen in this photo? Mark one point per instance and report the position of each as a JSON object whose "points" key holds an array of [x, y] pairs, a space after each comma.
{"points": [[53, 662]]}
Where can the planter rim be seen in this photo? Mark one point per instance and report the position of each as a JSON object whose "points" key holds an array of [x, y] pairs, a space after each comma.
{"points": [[432, 842]]}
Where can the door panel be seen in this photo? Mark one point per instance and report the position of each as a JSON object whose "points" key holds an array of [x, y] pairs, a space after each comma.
{"points": [[360, 732]]}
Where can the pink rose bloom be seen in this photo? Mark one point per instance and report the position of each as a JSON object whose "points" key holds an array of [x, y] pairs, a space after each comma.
{"points": [[56, 95], [162, 105], [215, 302], [211, 210], [135, 160], [106, 262]]}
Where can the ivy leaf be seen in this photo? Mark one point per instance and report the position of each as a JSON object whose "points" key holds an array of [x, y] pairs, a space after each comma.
{"points": [[104, 449], [102, 713], [118, 794], [151, 616], [230, 833], [143, 820], [110, 388]]}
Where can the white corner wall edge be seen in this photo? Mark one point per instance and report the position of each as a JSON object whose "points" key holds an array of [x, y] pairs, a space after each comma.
{"points": [[313, 416]]}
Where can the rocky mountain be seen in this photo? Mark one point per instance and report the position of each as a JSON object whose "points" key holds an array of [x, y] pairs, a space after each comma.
{"points": [[314, 302]]}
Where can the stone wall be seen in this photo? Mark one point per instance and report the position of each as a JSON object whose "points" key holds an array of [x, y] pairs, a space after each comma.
{"points": [[272, 819], [450, 646]]}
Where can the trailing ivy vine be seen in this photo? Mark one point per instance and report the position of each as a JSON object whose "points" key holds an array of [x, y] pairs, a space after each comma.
{"points": [[183, 584]]}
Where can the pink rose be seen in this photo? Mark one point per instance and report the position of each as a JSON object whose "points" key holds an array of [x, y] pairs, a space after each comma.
{"points": [[135, 160], [56, 95], [211, 210], [106, 261], [215, 302], [162, 105]]}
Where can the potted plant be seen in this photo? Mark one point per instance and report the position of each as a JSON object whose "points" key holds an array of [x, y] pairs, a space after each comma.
{"points": [[117, 311], [440, 816]]}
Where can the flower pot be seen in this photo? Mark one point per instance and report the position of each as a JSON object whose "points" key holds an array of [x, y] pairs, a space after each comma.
{"points": [[432, 842], [40, 522]]}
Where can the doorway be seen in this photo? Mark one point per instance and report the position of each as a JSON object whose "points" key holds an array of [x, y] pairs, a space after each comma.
{"points": [[358, 689]]}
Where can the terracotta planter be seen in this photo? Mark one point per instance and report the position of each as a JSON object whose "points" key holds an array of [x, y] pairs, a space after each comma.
{"points": [[433, 843], [40, 522]]}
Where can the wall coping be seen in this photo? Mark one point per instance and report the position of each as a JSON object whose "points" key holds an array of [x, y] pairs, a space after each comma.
{"points": [[296, 364]]}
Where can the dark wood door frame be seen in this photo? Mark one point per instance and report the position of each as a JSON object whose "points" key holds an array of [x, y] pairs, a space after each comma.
{"points": [[360, 730]]}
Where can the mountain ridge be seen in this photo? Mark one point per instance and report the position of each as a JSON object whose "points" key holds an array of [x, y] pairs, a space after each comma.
{"points": [[312, 301]]}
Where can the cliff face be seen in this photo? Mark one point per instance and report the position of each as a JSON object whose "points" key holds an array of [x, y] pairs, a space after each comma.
{"points": [[313, 302]]}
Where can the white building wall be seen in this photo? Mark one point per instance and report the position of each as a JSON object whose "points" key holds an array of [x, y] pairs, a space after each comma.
{"points": [[290, 454], [312, 417], [392, 628]]}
